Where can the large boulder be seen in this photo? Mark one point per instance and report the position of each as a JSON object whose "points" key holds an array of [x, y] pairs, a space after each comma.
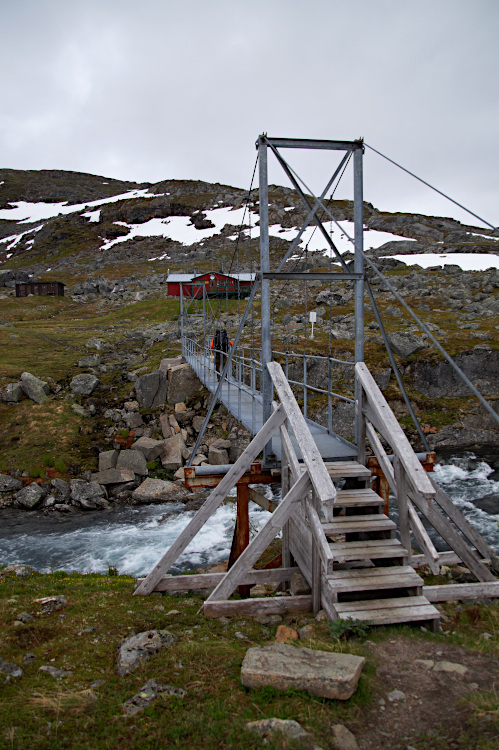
{"points": [[29, 496], [151, 389], [159, 491], [87, 495], [113, 476], [132, 461], [281, 666], [35, 389], [61, 488], [404, 344], [84, 384], [108, 460], [149, 447], [172, 454], [183, 384]]}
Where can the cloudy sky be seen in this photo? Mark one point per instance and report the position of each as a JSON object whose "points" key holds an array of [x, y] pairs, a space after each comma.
{"points": [[160, 89]]}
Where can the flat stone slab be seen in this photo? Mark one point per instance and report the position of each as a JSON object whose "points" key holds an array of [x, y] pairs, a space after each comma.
{"points": [[138, 648], [324, 674], [159, 491], [147, 694]]}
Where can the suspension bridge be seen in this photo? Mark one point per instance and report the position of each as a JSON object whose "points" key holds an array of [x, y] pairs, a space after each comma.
{"points": [[334, 517]]}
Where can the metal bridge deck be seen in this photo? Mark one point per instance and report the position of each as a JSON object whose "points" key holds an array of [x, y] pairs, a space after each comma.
{"points": [[246, 406]]}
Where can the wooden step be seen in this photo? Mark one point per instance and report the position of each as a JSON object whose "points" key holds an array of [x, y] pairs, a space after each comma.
{"points": [[373, 549], [356, 524], [347, 470], [372, 579], [389, 611], [362, 498]]}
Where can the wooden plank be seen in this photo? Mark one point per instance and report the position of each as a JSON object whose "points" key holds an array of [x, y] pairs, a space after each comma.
{"points": [[394, 615], [399, 601], [366, 544], [441, 524], [377, 584], [424, 541], [215, 499], [360, 498], [261, 541], [210, 580], [452, 592], [444, 558], [354, 524], [462, 522], [397, 570], [300, 542], [401, 480], [288, 450], [261, 500], [319, 537], [319, 476], [399, 443], [343, 553], [285, 485], [268, 605], [347, 470]]}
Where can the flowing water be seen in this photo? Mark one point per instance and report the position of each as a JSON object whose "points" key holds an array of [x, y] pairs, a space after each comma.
{"points": [[132, 538]]}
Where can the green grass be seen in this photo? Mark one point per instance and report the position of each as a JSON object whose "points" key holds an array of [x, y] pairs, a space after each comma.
{"points": [[37, 711]]}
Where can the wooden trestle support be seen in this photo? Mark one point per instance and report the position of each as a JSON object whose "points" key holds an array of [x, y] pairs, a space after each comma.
{"points": [[341, 541]]}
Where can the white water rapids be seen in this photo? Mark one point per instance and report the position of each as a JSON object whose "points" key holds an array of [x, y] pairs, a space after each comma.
{"points": [[133, 538]]}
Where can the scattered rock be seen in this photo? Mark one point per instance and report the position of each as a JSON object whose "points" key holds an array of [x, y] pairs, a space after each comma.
{"points": [[450, 667], [108, 460], [151, 389], [147, 694], [9, 484], [404, 344], [54, 672], [183, 384], [87, 495], [396, 695], [343, 738], [35, 389], [158, 491], [172, 453], [18, 569], [218, 456], [12, 670], [93, 360], [327, 675], [24, 617], [150, 448], [286, 728], [268, 619], [285, 633], [12, 393], [51, 603], [132, 461], [84, 384], [138, 648], [113, 476]]}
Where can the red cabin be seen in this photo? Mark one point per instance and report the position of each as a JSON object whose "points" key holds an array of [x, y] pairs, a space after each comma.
{"points": [[217, 284]]}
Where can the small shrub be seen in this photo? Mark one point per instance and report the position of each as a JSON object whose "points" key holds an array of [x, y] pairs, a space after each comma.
{"points": [[124, 433], [112, 570], [151, 465], [48, 461], [348, 628], [60, 466]]}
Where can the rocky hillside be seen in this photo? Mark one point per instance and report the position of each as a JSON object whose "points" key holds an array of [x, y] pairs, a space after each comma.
{"points": [[112, 244]]}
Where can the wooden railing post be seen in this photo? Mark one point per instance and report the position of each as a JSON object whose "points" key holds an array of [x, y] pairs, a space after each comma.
{"points": [[403, 505]]}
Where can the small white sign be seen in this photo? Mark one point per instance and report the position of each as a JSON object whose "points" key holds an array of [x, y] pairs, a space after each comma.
{"points": [[313, 317]]}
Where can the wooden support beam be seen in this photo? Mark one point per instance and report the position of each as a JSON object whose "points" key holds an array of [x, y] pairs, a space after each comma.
{"points": [[271, 605], [462, 522], [441, 524], [423, 539], [210, 580], [215, 499], [453, 592], [262, 540], [319, 538], [403, 505]]}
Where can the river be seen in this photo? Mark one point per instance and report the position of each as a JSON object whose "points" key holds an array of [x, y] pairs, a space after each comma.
{"points": [[132, 538]]}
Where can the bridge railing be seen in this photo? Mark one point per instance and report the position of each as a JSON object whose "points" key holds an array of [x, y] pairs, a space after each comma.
{"points": [[244, 377]]}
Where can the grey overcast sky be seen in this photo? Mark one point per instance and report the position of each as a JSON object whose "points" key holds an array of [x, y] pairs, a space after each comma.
{"points": [[159, 89]]}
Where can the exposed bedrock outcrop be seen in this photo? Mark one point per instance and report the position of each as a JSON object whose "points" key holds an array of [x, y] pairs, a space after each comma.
{"points": [[480, 365]]}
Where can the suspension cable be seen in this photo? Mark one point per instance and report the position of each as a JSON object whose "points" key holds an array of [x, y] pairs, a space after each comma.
{"points": [[472, 213]]}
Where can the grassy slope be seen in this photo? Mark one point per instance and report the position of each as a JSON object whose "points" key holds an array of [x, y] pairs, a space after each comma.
{"points": [[38, 712]]}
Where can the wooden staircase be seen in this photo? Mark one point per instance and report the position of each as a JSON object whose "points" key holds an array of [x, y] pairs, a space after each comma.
{"points": [[369, 561]]}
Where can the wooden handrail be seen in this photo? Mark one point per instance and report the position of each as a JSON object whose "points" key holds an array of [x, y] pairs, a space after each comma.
{"points": [[383, 419]]}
